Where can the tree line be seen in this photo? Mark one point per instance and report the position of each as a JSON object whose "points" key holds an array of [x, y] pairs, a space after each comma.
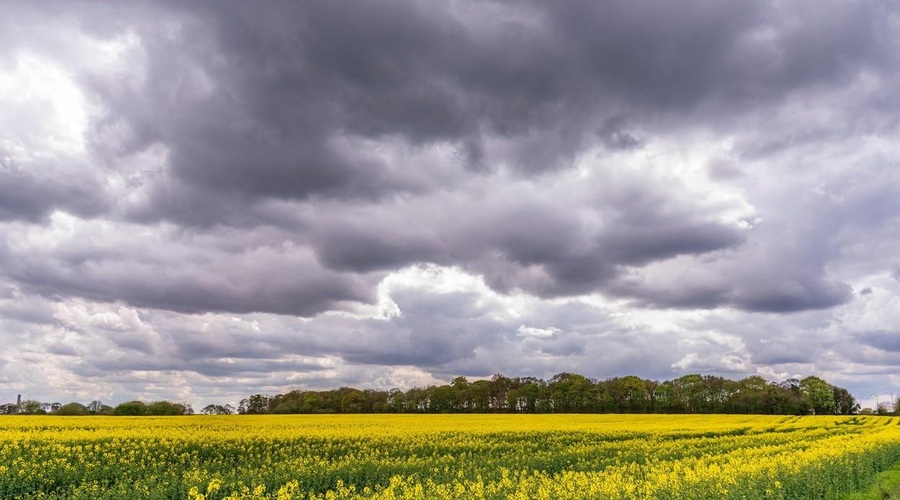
{"points": [[130, 408], [574, 393], [562, 393]]}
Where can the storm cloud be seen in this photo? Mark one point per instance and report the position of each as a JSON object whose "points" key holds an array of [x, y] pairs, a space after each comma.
{"points": [[198, 197]]}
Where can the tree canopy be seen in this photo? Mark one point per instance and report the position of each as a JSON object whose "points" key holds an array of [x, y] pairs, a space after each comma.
{"points": [[563, 393], [573, 393]]}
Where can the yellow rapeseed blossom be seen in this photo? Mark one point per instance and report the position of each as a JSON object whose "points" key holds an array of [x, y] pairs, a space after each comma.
{"points": [[393, 457]]}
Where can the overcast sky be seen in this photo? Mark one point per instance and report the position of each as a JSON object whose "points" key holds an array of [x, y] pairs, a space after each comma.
{"points": [[204, 200]]}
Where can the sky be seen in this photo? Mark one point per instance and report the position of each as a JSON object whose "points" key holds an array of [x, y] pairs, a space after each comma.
{"points": [[200, 201]]}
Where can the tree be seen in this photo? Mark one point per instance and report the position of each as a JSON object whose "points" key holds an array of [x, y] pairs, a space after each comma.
{"points": [[443, 399], [692, 391], [72, 408], [750, 395], [789, 399], [480, 396], [376, 401], [396, 400], [166, 408], [572, 393], [628, 394], [818, 395], [31, 407], [500, 385], [716, 392], [130, 408], [217, 410], [668, 398], [463, 395], [353, 401], [311, 403], [530, 394], [257, 403], [844, 402], [417, 399]]}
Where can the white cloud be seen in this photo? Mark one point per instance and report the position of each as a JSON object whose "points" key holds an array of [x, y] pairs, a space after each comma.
{"points": [[531, 331], [190, 213]]}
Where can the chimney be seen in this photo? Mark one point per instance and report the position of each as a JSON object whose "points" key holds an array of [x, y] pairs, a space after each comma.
{"points": [[18, 401]]}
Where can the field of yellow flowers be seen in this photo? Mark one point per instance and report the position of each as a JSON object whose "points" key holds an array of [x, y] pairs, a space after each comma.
{"points": [[443, 456]]}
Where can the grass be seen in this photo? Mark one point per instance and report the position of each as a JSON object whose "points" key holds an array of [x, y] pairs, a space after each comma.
{"points": [[886, 486]]}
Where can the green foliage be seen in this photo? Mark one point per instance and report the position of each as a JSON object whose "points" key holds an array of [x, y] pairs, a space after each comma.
{"points": [[563, 393], [257, 403], [165, 408], [217, 410], [818, 395], [159, 408], [73, 408], [131, 408], [574, 393], [886, 486], [31, 407]]}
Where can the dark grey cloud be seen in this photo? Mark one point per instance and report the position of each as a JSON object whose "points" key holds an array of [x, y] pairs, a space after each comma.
{"points": [[251, 106], [254, 103], [784, 351], [784, 264], [28, 197], [885, 340], [775, 287], [791, 295], [177, 271], [224, 193], [527, 239], [439, 329]]}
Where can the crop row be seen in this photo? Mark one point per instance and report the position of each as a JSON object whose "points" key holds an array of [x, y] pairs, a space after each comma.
{"points": [[443, 456]]}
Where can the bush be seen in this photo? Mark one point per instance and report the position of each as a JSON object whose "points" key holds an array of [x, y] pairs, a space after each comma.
{"points": [[131, 408], [73, 408], [165, 408]]}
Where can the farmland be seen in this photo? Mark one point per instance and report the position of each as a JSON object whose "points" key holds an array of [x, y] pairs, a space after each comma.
{"points": [[444, 456]]}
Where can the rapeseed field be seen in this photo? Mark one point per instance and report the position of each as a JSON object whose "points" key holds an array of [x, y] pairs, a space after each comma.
{"points": [[443, 456]]}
